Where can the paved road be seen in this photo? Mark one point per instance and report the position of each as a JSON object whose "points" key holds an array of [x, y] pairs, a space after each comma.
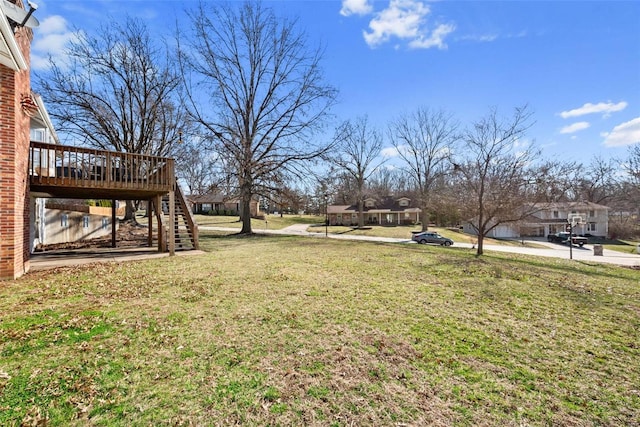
{"points": [[551, 250]]}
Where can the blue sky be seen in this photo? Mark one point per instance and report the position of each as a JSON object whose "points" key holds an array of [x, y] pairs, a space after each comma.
{"points": [[575, 63]]}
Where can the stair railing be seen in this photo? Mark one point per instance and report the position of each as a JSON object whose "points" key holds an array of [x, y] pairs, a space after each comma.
{"points": [[188, 215]]}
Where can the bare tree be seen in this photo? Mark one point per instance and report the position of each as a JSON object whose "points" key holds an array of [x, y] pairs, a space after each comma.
{"points": [[598, 182], [632, 165], [556, 180], [632, 179], [357, 153], [423, 140], [116, 91], [387, 181], [493, 177], [623, 220], [196, 168], [255, 86]]}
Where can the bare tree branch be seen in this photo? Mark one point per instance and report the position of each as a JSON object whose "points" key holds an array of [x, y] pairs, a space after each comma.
{"points": [[253, 84], [495, 172], [424, 140], [357, 154], [117, 91]]}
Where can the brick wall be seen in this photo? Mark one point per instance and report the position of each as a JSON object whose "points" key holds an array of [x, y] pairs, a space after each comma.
{"points": [[14, 158]]}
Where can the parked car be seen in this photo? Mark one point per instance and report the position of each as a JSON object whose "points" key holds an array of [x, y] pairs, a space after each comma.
{"points": [[563, 237], [431, 237]]}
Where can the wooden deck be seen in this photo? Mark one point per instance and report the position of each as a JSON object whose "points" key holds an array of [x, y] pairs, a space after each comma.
{"points": [[83, 173]]}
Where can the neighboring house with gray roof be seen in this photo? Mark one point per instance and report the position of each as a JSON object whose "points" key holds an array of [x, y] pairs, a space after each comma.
{"points": [[376, 211], [552, 218], [220, 204]]}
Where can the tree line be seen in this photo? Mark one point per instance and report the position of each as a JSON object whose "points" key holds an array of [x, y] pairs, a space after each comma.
{"points": [[240, 99]]}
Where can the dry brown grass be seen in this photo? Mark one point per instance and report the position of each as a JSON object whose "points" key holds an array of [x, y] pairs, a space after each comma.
{"points": [[295, 331]]}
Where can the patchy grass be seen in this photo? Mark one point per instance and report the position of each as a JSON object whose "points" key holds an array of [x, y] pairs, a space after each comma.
{"points": [[282, 330]]}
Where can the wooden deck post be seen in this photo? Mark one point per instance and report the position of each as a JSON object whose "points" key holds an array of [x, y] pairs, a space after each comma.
{"points": [[113, 223], [162, 241], [172, 221], [150, 219]]}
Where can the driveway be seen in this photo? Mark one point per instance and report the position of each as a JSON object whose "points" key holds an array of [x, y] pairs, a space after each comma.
{"points": [[551, 250]]}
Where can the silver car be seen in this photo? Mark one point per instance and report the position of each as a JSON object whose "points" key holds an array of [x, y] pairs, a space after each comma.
{"points": [[431, 237]]}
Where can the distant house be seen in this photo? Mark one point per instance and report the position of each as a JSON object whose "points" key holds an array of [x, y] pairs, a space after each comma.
{"points": [[219, 204], [385, 211], [552, 218]]}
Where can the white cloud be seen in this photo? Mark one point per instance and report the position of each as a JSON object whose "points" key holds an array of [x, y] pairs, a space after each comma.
{"points": [[575, 127], [436, 39], [485, 38], [355, 7], [50, 40], [406, 20], [389, 152], [627, 133], [602, 107]]}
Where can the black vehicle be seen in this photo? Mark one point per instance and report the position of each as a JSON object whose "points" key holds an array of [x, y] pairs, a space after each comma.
{"points": [[563, 237]]}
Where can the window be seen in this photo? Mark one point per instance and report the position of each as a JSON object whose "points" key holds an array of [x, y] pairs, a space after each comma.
{"points": [[85, 221], [64, 221], [592, 227], [369, 203], [38, 135], [403, 202], [592, 214], [556, 214]]}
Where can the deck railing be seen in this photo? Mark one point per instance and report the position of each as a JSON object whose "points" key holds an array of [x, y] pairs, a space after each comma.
{"points": [[60, 165]]}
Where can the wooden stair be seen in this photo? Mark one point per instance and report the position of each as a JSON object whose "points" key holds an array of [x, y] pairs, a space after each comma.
{"points": [[185, 229]]}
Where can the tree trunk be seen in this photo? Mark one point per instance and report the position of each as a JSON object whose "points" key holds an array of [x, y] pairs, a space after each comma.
{"points": [[130, 212], [245, 209], [424, 219], [360, 213], [480, 243]]}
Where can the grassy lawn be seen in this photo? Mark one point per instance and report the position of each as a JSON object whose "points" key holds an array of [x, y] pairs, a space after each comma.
{"points": [[273, 222], [404, 232], [279, 330], [276, 222], [623, 246]]}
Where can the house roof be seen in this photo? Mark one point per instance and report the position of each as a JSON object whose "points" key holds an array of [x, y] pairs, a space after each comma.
{"points": [[385, 205], [576, 206], [215, 198], [209, 198], [10, 53], [42, 119]]}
